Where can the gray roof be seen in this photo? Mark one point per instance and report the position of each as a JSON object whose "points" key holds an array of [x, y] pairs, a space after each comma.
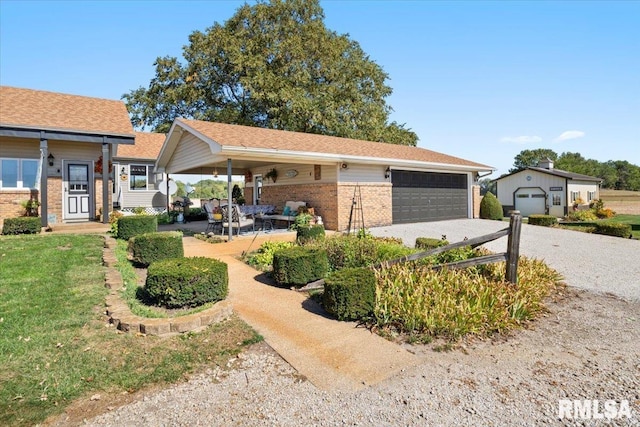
{"points": [[557, 172]]}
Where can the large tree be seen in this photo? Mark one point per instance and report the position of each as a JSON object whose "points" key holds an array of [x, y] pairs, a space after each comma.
{"points": [[527, 158], [276, 65]]}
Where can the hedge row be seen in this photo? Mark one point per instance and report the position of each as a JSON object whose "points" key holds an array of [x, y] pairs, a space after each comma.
{"points": [[22, 225], [299, 265], [543, 220], [151, 247]]}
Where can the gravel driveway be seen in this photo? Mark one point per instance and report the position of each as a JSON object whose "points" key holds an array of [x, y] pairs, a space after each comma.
{"points": [[594, 262]]}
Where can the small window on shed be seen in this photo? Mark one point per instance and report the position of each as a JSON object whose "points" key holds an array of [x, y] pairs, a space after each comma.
{"points": [[591, 195], [557, 200]]}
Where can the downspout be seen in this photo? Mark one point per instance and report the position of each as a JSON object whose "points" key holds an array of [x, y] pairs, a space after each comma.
{"points": [[106, 161], [230, 200], [566, 196], [44, 180]]}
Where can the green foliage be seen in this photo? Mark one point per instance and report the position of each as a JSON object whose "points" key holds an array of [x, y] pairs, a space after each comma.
{"points": [[430, 243], [454, 303], [490, 207], [309, 233], [543, 220], [613, 229], [30, 207], [299, 265], [274, 65], [582, 215], [350, 294], [129, 226], [349, 251], [139, 210], [301, 220], [113, 221], [263, 257], [527, 158], [196, 214], [151, 247], [187, 282], [22, 225]]}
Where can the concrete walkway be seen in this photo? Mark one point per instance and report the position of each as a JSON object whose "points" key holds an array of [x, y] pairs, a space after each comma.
{"points": [[332, 355]]}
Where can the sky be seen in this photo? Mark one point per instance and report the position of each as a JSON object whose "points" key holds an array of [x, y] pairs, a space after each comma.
{"points": [[480, 80]]}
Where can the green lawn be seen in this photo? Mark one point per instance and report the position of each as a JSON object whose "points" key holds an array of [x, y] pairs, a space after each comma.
{"points": [[634, 220], [56, 346]]}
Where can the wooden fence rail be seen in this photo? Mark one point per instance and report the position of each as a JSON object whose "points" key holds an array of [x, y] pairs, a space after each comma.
{"points": [[510, 256]]}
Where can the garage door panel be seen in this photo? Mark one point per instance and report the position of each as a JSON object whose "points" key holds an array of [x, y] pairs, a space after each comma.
{"points": [[428, 196]]}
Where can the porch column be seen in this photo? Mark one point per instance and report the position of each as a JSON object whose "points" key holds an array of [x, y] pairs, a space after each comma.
{"points": [[229, 199], [106, 160], [44, 180]]}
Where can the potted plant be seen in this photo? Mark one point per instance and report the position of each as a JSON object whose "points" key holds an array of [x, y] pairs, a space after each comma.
{"points": [[272, 175], [217, 213]]}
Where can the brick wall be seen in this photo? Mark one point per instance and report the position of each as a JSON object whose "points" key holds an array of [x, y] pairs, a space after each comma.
{"points": [[10, 206], [333, 201], [475, 190]]}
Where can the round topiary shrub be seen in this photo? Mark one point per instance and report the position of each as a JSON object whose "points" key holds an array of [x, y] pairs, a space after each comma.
{"points": [[187, 282], [151, 247], [490, 207], [129, 226], [350, 294], [613, 229], [430, 243], [299, 265], [309, 233], [543, 220]]}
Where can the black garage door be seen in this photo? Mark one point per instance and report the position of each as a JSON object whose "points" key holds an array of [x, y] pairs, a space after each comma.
{"points": [[428, 196]]}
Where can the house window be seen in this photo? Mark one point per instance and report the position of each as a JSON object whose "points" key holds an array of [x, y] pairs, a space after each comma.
{"points": [[591, 195], [18, 173], [575, 195], [556, 199], [139, 177]]}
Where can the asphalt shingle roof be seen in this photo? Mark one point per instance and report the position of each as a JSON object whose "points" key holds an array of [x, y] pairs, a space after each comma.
{"points": [[254, 137], [147, 146], [42, 110]]}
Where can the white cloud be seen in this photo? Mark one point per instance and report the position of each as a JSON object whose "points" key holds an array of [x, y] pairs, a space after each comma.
{"points": [[524, 139], [569, 134]]}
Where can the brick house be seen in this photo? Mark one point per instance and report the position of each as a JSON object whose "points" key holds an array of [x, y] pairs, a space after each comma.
{"points": [[56, 148], [398, 184]]}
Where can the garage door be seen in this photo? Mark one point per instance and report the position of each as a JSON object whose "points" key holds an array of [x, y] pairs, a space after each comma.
{"points": [[428, 196], [530, 201]]}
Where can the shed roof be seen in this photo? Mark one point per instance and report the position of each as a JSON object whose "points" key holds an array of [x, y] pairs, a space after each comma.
{"points": [[555, 172], [42, 110]]}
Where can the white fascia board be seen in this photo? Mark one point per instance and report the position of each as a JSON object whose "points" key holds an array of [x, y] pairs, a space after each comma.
{"points": [[310, 157]]}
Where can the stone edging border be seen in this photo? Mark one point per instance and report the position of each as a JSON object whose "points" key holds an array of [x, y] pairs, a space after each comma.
{"points": [[120, 315]]}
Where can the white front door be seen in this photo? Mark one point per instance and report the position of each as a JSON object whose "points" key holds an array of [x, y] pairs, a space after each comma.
{"points": [[78, 190]]}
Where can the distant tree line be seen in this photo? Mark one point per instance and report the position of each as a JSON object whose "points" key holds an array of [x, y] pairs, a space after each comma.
{"points": [[206, 189], [616, 174]]}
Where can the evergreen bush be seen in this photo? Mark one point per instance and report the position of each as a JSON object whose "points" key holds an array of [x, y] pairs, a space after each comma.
{"points": [[613, 229], [490, 207], [187, 282], [299, 265], [543, 220], [430, 243], [151, 247], [308, 233], [350, 294], [129, 226], [22, 225]]}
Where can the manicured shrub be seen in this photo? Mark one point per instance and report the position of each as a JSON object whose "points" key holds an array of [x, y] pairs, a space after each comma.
{"points": [[187, 282], [22, 225], [129, 226], [350, 294], [299, 265], [151, 247], [430, 243], [490, 207], [308, 233], [605, 213], [543, 220], [263, 257], [613, 229]]}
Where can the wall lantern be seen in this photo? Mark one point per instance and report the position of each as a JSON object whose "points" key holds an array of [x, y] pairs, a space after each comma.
{"points": [[51, 159], [387, 173]]}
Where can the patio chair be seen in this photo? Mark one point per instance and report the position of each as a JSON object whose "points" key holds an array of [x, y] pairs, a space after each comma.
{"points": [[238, 219], [213, 222]]}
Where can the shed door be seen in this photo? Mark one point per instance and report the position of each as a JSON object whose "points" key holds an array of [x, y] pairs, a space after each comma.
{"points": [[530, 201], [428, 196]]}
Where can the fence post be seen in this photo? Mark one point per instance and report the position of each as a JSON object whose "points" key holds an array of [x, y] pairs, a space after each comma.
{"points": [[513, 246]]}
